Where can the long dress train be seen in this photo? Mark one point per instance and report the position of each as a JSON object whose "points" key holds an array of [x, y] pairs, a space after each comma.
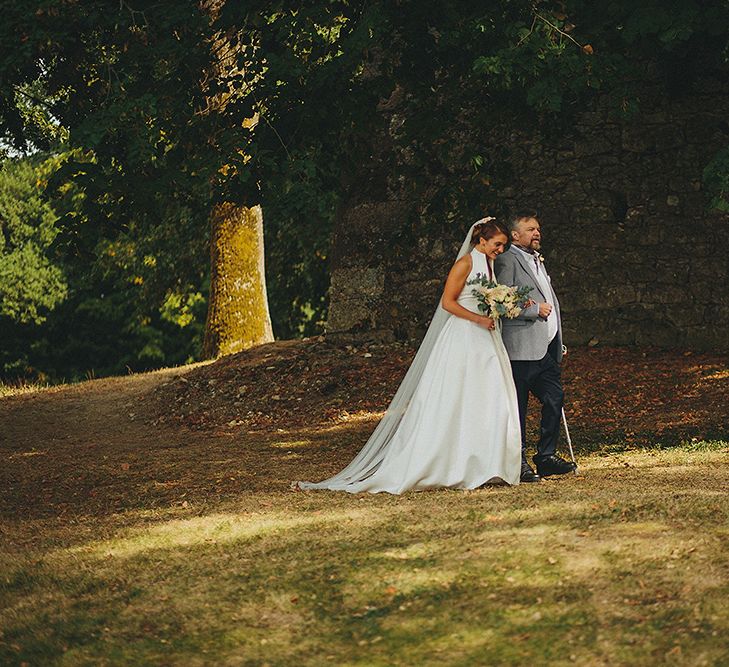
{"points": [[460, 429]]}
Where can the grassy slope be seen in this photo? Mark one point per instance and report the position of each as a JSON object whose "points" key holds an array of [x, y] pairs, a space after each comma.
{"points": [[124, 543]]}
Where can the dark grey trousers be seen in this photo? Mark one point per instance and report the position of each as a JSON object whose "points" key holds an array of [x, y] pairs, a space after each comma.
{"points": [[542, 378]]}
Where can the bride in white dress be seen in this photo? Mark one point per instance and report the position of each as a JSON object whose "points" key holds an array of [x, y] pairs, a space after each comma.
{"points": [[454, 421]]}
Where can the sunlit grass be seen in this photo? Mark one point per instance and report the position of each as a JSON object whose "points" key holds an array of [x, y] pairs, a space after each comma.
{"points": [[291, 444], [207, 529], [619, 565], [22, 387], [705, 445]]}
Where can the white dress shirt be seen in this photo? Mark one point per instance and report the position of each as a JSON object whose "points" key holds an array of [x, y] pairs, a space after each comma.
{"points": [[540, 275]]}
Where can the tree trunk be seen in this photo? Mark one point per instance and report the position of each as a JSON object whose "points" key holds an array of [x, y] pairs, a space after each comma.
{"points": [[238, 316]]}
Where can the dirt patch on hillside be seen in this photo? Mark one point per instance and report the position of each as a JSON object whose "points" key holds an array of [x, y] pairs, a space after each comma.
{"points": [[295, 410], [613, 394]]}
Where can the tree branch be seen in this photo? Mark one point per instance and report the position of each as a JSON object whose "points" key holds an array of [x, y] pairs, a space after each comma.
{"points": [[33, 98], [561, 32]]}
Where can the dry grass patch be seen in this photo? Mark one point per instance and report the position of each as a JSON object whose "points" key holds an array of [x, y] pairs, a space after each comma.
{"points": [[126, 539], [616, 566]]}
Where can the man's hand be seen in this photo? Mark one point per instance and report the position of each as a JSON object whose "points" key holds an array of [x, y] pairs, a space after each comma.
{"points": [[544, 310]]}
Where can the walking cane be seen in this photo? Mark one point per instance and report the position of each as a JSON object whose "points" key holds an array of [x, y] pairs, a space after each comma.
{"points": [[569, 440], [566, 428]]}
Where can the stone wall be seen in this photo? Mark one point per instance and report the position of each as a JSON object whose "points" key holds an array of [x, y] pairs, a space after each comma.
{"points": [[634, 255]]}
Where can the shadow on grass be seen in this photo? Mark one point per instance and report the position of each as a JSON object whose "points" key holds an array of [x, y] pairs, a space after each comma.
{"points": [[606, 569], [167, 468]]}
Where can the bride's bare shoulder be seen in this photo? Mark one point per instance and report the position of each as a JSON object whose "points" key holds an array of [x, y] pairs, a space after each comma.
{"points": [[461, 268]]}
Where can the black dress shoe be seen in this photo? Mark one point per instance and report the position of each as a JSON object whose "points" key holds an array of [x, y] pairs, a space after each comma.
{"points": [[528, 475], [554, 465]]}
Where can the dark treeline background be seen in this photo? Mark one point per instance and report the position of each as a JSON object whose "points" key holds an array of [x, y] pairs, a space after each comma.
{"points": [[124, 124]]}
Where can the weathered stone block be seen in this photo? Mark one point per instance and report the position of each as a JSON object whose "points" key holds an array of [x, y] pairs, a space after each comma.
{"points": [[668, 137], [673, 200], [358, 292], [635, 140]]}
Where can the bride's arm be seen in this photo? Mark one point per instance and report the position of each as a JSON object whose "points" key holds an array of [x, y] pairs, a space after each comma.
{"points": [[454, 284]]}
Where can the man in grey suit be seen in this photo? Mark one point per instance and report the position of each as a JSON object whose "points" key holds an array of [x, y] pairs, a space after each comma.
{"points": [[534, 343]]}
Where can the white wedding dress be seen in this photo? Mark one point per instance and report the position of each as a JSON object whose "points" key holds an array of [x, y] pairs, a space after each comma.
{"points": [[455, 426]]}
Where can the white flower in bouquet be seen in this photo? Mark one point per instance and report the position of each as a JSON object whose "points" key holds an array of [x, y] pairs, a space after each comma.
{"points": [[495, 300]]}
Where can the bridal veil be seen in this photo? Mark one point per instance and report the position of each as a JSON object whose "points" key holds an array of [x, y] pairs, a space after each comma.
{"points": [[372, 454]]}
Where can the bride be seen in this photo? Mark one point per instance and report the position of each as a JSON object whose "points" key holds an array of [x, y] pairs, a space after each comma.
{"points": [[454, 421]]}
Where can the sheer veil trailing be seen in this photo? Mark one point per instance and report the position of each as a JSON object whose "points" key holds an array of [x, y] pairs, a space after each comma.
{"points": [[373, 452]]}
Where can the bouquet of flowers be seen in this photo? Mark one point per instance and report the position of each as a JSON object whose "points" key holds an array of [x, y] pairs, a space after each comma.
{"points": [[496, 300]]}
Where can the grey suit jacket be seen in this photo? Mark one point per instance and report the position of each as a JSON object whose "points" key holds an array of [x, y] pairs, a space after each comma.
{"points": [[525, 337]]}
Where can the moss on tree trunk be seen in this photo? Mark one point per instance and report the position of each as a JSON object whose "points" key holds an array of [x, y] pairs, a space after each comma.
{"points": [[238, 316]]}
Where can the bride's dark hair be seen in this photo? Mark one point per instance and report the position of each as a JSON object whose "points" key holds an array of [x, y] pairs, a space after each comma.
{"points": [[486, 230]]}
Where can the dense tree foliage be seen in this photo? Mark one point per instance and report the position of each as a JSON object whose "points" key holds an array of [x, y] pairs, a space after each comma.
{"points": [[31, 283], [68, 311], [159, 111], [347, 90]]}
